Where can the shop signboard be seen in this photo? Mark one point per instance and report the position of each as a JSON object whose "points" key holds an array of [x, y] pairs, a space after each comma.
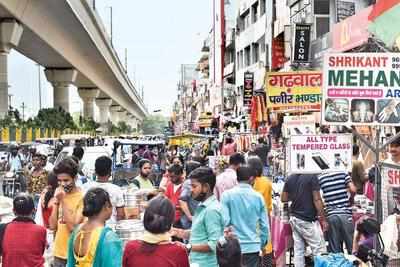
{"points": [[319, 47], [278, 52], [248, 88], [361, 89], [301, 43], [344, 9], [301, 124], [294, 91], [320, 153], [390, 190], [351, 32]]}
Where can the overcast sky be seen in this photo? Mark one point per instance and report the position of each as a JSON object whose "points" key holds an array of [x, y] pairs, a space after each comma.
{"points": [[157, 39]]}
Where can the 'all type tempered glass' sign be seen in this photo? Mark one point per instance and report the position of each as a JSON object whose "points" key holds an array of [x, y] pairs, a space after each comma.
{"points": [[361, 89], [320, 153]]}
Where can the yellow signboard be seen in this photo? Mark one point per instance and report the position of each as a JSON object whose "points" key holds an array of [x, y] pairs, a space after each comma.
{"points": [[29, 135], [18, 133], [5, 135], [294, 91]]}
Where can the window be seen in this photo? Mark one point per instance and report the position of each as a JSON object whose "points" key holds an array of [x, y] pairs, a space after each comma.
{"points": [[256, 53], [254, 13], [263, 46], [241, 59], [247, 21], [247, 56], [237, 60], [321, 25], [262, 7], [321, 7]]}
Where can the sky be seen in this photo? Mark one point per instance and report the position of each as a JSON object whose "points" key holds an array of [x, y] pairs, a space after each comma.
{"points": [[159, 36]]}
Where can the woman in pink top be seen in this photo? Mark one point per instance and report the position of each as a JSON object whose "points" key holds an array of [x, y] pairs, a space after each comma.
{"points": [[229, 147]]}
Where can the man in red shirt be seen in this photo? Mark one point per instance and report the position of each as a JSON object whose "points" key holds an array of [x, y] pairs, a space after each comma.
{"points": [[22, 241], [174, 189]]}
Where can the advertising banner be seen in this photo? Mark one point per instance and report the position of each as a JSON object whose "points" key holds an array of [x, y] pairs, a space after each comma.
{"points": [[248, 88], [301, 43], [294, 91], [390, 191], [295, 125], [361, 89], [351, 32], [320, 153], [278, 52]]}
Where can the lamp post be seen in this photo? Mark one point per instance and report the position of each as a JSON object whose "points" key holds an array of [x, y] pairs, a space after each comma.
{"points": [[111, 24], [40, 87]]}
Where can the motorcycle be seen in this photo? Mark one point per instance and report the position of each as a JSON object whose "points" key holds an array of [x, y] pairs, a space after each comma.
{"points": [[13, 183]]}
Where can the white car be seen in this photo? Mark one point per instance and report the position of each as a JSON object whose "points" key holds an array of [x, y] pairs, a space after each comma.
{"points": [[89, 157]]}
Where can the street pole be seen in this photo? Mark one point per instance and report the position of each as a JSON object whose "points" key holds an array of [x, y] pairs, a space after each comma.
{"points": [[223, 39], [126, 60], [40, 88], [9, 101], [111, 24], [23, 106]]}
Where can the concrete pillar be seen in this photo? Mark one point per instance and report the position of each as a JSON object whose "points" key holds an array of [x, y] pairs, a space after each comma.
{"points": [[114, 110], [132, 120], [61, 79], [88, 95], [10, 35], [104, 105], [121, 115]]}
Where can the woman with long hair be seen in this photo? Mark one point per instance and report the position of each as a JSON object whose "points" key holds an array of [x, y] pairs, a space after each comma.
{"points": [[92, 244], [156, 248], [46, 201]]}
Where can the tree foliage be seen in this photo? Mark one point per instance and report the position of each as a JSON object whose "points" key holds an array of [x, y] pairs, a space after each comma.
{"points": [[121, 128], [154, 124], [88, 124], [55, 118]]}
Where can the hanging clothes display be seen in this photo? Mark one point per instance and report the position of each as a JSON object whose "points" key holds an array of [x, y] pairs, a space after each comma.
{"points": [[258, 111]]}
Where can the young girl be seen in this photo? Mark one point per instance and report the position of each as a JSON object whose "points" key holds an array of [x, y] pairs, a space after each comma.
{"points": [[91, 243]]}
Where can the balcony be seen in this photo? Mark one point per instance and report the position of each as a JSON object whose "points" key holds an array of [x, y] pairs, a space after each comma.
{"points": [[229, 69], [230, 37], [251, 34]]}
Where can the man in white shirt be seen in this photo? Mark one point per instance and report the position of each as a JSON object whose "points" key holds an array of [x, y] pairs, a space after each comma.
{"points": [[103, 171]]}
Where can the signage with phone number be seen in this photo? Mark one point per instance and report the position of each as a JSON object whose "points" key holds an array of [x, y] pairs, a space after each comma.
{"points": [[320, 153]]}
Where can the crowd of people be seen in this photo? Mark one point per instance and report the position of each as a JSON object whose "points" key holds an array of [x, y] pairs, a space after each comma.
{"points": [[194, 216]]}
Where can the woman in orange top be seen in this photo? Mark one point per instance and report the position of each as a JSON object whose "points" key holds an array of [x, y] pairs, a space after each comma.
{"points": [[264, 186]]}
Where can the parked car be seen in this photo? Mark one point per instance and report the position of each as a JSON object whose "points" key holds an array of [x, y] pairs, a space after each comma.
{"points": [[89, 157]]}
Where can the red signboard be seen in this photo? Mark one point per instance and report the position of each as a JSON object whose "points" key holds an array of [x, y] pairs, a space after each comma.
{"points": [[278, 53], [351, 32]]}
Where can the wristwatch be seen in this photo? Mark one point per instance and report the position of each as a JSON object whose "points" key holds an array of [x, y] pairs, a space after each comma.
{"points": [[188, 247]]}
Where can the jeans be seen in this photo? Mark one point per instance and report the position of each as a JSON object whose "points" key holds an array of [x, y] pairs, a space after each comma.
{"points": [[341, 229], [251, 259], [306, 233], [266, 260], [58, 262]]}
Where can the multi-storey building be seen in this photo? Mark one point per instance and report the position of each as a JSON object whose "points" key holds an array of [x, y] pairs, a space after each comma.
{"points": [[250, 46]]}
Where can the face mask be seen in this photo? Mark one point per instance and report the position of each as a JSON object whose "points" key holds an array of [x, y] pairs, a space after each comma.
{"points": [[68, 188]]}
